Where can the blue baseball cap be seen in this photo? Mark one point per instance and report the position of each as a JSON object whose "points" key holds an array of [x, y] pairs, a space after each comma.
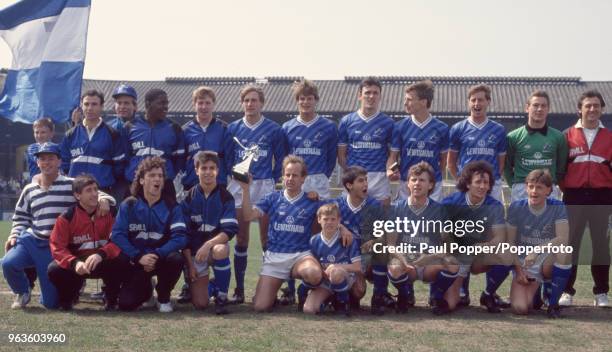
{"points": [[124, 89], [49, 148]]}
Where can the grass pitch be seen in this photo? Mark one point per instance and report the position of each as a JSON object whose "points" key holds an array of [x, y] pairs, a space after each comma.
{"points": [[88, 328]]}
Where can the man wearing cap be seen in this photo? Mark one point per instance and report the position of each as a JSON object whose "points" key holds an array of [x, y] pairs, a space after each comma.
{"points": [[125, 105], [37, 209]]}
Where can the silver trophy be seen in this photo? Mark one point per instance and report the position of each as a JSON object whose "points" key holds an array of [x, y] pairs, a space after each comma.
{"points": [[240, 171]]}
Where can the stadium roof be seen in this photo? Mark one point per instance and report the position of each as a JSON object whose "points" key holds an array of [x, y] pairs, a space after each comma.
{"points": [[508, 96]]}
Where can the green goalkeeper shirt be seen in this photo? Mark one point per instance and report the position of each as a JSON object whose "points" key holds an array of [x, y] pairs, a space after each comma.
{"points": [[529, 150]]}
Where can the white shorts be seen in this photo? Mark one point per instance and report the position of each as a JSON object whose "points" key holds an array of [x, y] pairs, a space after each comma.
{"points": [[317, 183], [535, 271], [519, 191], [258, 190], [201, 268], [436, 195], [497, 191], [378, 186], [350, 281], [279, 265]]}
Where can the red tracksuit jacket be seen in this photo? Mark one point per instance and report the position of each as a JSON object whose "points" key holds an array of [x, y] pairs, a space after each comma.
{"points": [[76, 236]]}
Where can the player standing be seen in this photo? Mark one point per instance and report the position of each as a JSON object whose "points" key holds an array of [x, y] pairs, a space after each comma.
{"points": [[364, 138], [253, 129], [533, 146], [478, 138], [418, 137]]}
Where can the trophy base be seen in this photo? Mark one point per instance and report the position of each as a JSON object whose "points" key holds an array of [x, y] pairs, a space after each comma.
{"points": [[241, 176]]}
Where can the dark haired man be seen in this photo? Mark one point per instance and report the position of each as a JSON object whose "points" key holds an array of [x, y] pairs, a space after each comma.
{"points": [[473, 202], [81, 249], [92, 146], [154, 135], [150, 231], [587, 192]]}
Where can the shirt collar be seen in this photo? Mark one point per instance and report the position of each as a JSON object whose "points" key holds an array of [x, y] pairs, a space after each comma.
{"points": [[479, 126], [96, 126], [331, 240], [309, 123], [292, 200], [257, 124], [579, 124], [414, 208], [477, 205], [368, 118], [542, 130], [355, 209], [421, 124]]}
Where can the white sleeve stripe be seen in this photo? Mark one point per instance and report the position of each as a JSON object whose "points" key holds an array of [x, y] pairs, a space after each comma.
{"points": [[178, 224]]}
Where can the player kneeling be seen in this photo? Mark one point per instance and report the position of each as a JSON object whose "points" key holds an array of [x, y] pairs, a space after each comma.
{"points": [[81, 250], [341, 266], [150, 231], [286, 244], [439, 269], [538, 221], [211, 223], [474, 203]]}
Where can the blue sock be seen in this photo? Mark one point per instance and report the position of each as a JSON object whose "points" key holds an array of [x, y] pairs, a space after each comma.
{"points": [[240, 265], [560, 275], [444, 280], [547, 290], [213, 290], [495, 277], [431, 290], [223, 274], [341, 290], [537, 296], [402, 285], [379, 273], [465, 287], [291, 285], [303, 290]]}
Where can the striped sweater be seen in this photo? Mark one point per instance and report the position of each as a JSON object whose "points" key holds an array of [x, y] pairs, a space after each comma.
{"points": [[37, 209]]}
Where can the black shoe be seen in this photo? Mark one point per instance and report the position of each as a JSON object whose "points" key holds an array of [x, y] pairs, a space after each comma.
{"points": [[403, 302], [354, 303], [287, 297], [411, 300], [238, 297], [377, 305], [389, 301], [502, 303], [185, 295], [464, 301], [220, 304], [489, 302], [440, 306], [538, 303], [345, 308], [110, 306], [554, 311], [65, 306]]}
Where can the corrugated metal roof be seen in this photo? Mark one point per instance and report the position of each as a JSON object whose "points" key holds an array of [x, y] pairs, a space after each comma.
{"points": [[508, 93]]}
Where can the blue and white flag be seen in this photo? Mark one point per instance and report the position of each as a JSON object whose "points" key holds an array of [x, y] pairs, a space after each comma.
{"points": [[47, 39]]}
